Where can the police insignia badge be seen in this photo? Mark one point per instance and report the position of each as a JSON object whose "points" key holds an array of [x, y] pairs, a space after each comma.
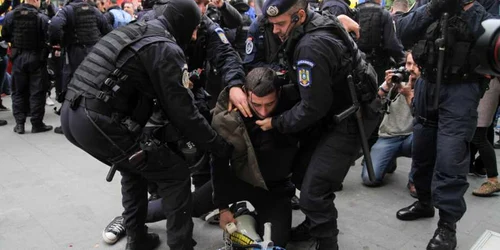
{"points": [[222, 36], [272, 11], [304, 72], [304, 77], [185, 76], [249, 46]]}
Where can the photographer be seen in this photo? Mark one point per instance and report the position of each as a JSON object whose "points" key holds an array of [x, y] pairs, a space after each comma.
{"points": [[395, 132]]}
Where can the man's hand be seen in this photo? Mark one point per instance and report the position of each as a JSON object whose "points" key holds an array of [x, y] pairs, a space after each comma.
{"points": [[225, 217], [217, 3], [388, 78], [265, 124], [238, 98], [349, 25]]}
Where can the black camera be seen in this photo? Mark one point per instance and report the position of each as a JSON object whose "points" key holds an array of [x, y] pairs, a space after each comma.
{"points": [[487, 48], [213, 13], [400, 75]]}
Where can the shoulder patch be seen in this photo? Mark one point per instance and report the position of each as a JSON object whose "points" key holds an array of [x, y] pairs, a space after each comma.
{"points": [[249, 45], [304, 76], [222, 35]]}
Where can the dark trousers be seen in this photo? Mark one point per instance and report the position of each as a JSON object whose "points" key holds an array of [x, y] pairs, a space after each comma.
{"points": [[486, 151], [329, 165], [441, 145], [73, 57], [271, 206], [29, 87], [55, 63], [83, 128]]}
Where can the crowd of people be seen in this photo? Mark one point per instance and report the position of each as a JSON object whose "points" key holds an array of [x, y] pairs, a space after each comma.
{"points": [[251, 101]]}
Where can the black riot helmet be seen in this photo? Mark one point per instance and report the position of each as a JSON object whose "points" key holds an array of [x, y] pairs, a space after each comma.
{"points": [[183, 17]]}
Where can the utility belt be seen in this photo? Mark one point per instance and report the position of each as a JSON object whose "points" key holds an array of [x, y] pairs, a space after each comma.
{"points": [[426, 122], [17, 51], [87, 101]]}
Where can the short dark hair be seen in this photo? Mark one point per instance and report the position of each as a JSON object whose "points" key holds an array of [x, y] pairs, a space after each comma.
{"points": [[261, 81]]}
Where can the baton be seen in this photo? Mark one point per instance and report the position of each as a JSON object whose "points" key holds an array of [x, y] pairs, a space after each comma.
{"points": [[354, 109], [111, 173], [441, 42]]}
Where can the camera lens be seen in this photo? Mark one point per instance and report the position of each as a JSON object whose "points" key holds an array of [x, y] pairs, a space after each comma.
{"points": [[487, 48]]}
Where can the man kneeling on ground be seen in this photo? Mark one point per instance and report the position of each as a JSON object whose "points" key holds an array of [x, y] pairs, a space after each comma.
{"points": [[396, 130], [261, 164]]}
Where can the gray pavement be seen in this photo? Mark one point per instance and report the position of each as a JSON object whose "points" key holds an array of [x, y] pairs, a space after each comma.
{"points": [[54, 196]]}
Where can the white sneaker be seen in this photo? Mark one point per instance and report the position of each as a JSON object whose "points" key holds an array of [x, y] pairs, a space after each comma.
{"points": [[49, 102], [114, 231]]}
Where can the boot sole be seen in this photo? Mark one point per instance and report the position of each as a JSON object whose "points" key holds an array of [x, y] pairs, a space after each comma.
{"points": [[414, 218]]}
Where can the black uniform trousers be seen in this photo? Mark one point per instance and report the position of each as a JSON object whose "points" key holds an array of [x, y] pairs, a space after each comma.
{"points": [[329, 165], [106, 140], [73, 57], [29, 86], [441, 145], [271, 206]]}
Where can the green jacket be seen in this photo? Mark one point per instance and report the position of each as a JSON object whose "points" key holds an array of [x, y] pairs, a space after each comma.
{"points": [[231, 127]]}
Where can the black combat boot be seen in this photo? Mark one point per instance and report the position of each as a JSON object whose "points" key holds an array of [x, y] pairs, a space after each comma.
{"points": [[444, 238], [327, 244], [42, 127], [19, 128], [3, 122], [142, 240], [415, 211]]}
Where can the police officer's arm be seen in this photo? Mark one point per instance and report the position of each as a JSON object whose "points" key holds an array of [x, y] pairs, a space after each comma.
{"points": [[102, 23], [230, 16], [314, 69], [221, 54], [391, 42], [164, 64], [56, 27], [413, 24], [7, 27], [5, 6]]}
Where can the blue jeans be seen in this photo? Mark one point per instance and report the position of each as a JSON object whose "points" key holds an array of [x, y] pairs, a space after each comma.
{"points": [[383, 153]]}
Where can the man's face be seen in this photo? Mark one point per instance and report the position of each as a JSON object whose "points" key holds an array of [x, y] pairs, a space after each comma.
{"points": [[281, 25], [412, 67], [202, 4], [263, 106], [129, 8], [100, 6]]}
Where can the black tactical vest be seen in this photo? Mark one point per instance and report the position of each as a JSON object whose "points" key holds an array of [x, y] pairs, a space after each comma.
{"points": [[86, 31], [241, 35], [364, 76], [371, 32], [459, 62], [99, 75], [27, 29], [272, 45]]}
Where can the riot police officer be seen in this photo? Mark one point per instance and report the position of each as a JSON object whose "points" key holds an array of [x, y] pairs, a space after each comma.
{"points": [[241, 32], [25, 28], [76, 28], [339, 7], [317, 47], [445, 104], [110, 99], [377, 37]]}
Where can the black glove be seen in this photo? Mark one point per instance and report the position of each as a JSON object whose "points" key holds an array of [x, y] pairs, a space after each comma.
{"points": [[221, 148], [438, 7]]}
